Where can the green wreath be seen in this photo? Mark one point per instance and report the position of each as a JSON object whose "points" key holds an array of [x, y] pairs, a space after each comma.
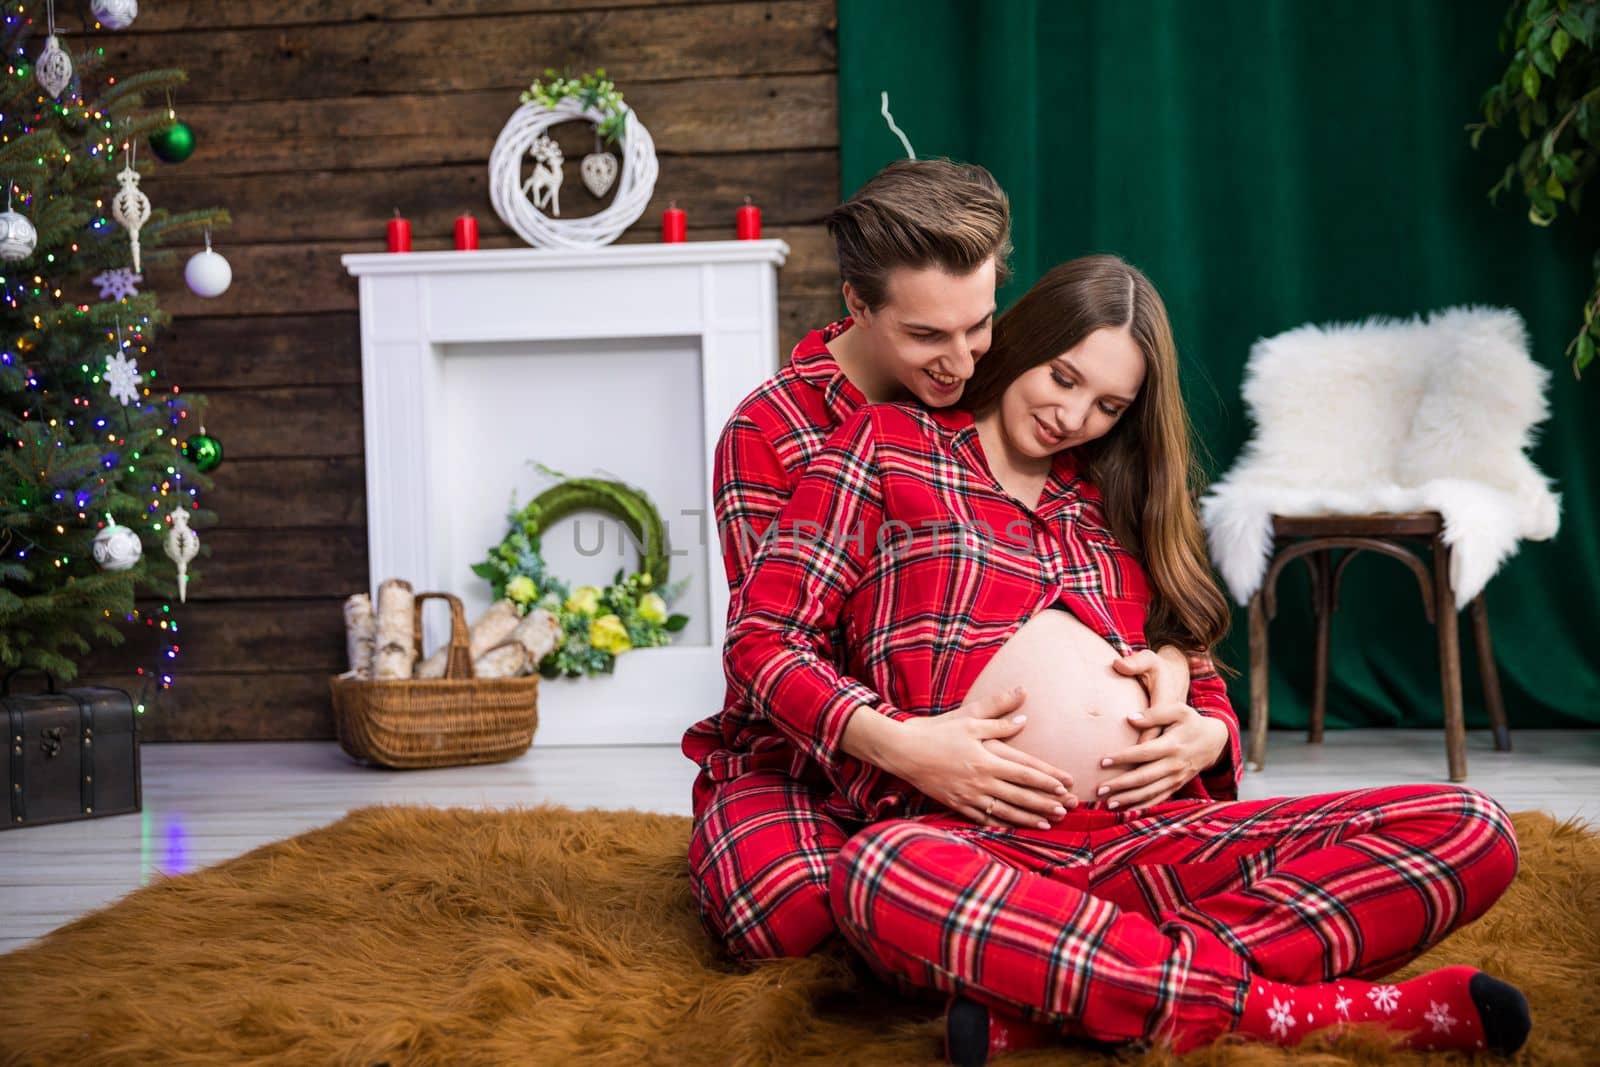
{"points": [[597, 625]]}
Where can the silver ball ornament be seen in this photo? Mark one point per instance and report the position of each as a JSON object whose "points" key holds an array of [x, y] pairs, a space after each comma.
{"points": [[117, 548], [17, 236], [114, 14]]}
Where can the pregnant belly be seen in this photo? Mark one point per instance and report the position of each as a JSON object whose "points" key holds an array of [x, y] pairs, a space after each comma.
{"points": [[1077, 705]]}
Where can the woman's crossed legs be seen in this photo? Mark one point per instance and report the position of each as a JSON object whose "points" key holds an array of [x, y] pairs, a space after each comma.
{"points": [[1151, 927]]}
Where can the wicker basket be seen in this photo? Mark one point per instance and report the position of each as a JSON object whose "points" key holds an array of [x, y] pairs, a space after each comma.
{"points": [[437, 722]]}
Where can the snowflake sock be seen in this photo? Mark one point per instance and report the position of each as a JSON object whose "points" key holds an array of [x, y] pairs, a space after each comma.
{"points": [[973, 1033], [1450, 1008]]}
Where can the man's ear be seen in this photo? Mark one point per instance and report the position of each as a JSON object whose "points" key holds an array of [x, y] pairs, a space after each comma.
{"points": [[855, 305]]}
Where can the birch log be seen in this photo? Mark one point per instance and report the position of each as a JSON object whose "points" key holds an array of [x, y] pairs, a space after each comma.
{"points": [[359, 634], [396, 649], [535, 636], [493, 626]]}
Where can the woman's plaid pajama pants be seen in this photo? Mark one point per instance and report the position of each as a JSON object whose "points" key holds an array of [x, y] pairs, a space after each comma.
{"points": [[1114, 926]]}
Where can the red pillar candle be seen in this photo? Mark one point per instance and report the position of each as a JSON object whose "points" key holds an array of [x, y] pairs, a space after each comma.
{"points": [[466, 233], [674, 224], [399, 233], [747, 221]]}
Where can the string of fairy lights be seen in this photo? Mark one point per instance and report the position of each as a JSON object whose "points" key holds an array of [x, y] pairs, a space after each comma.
{"points": [[119, 444]]}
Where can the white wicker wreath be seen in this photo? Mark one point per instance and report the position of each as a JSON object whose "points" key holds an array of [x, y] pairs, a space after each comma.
{"points": [[526, 126]]}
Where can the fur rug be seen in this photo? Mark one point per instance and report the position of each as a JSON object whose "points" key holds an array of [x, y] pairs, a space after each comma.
{"points": [[404, 935]]}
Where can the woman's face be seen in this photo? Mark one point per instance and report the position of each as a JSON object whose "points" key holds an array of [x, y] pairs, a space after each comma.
{"points": [[931, 330], [1076, 397]]}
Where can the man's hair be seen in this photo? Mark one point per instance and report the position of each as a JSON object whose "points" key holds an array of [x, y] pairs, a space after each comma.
{"points": [[921, 213]]}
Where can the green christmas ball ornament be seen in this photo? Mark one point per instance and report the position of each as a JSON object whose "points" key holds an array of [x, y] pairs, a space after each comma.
{"points": [[173, 144], [203, 450]]}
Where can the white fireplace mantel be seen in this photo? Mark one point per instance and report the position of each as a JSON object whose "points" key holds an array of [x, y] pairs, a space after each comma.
{"points": [[622, 361]]}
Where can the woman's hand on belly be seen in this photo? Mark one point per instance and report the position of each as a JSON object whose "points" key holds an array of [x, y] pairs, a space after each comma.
{"points": [[1164, 674], [960, 760], [1008, 751], [1188, 744]]}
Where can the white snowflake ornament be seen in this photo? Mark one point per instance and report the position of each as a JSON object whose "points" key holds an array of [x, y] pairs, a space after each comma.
{"points": [[118, 283], [182, 545], [122, 374], [1439, 1015], [131, 207]]}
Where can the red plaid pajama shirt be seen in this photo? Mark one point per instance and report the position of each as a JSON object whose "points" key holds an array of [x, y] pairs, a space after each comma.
{"points": [[761, 847]]}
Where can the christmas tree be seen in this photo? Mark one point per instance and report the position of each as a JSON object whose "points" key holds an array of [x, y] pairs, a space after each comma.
{"points": [[96, 450]]}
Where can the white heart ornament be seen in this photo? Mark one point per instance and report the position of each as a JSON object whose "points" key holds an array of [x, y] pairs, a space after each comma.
{"points": [[599, 171]]}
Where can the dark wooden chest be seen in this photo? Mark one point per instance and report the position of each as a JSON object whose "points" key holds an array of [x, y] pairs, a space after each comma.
{"points": [[70, 754]]}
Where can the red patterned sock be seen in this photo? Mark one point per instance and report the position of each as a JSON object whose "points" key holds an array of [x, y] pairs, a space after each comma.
{"points": [[973, 1033], [1450, 1008]]}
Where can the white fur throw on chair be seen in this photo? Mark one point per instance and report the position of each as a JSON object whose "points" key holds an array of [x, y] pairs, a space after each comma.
{"points": [[1384, 416]]}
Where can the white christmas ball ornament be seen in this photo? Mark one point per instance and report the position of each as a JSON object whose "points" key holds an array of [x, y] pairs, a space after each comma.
{"points": [[114, 14], [208, 274], [17, 236], [117, 548]]}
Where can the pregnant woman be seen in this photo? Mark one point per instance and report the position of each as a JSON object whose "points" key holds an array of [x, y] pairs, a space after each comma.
{"points": [[930, 545]]}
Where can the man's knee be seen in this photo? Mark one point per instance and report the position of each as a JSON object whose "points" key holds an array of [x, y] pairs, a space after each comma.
{"points": [[773, 918]]}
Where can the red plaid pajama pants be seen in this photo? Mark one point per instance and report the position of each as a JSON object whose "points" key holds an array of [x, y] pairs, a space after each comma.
{"points": [[1147, 927], [759, 859]]}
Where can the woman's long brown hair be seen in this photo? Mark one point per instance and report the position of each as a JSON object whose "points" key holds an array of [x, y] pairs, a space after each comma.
{"points": [[1144, 467]]}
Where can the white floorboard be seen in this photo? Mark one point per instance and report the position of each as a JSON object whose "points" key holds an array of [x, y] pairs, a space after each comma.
{"points": [[205, 803]]}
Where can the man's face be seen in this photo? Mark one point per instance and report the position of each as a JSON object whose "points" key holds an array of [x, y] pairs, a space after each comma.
{"points": [[931, 330]]}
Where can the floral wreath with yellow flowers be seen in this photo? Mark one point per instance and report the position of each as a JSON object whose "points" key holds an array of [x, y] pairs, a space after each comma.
{"points": [[597, 625]]}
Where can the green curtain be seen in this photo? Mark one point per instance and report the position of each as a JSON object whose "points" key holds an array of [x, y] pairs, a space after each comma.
{"points": [[1270, 164]]}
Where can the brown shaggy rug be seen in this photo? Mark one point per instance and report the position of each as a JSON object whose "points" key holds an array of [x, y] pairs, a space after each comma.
{"points": [[403, 935]]}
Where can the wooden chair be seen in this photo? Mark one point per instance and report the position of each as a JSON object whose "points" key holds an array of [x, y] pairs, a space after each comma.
{"points": [[1318, 540]]}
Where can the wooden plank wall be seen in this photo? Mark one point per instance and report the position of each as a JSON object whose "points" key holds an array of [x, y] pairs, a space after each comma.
{"points": [[314, 119]]}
